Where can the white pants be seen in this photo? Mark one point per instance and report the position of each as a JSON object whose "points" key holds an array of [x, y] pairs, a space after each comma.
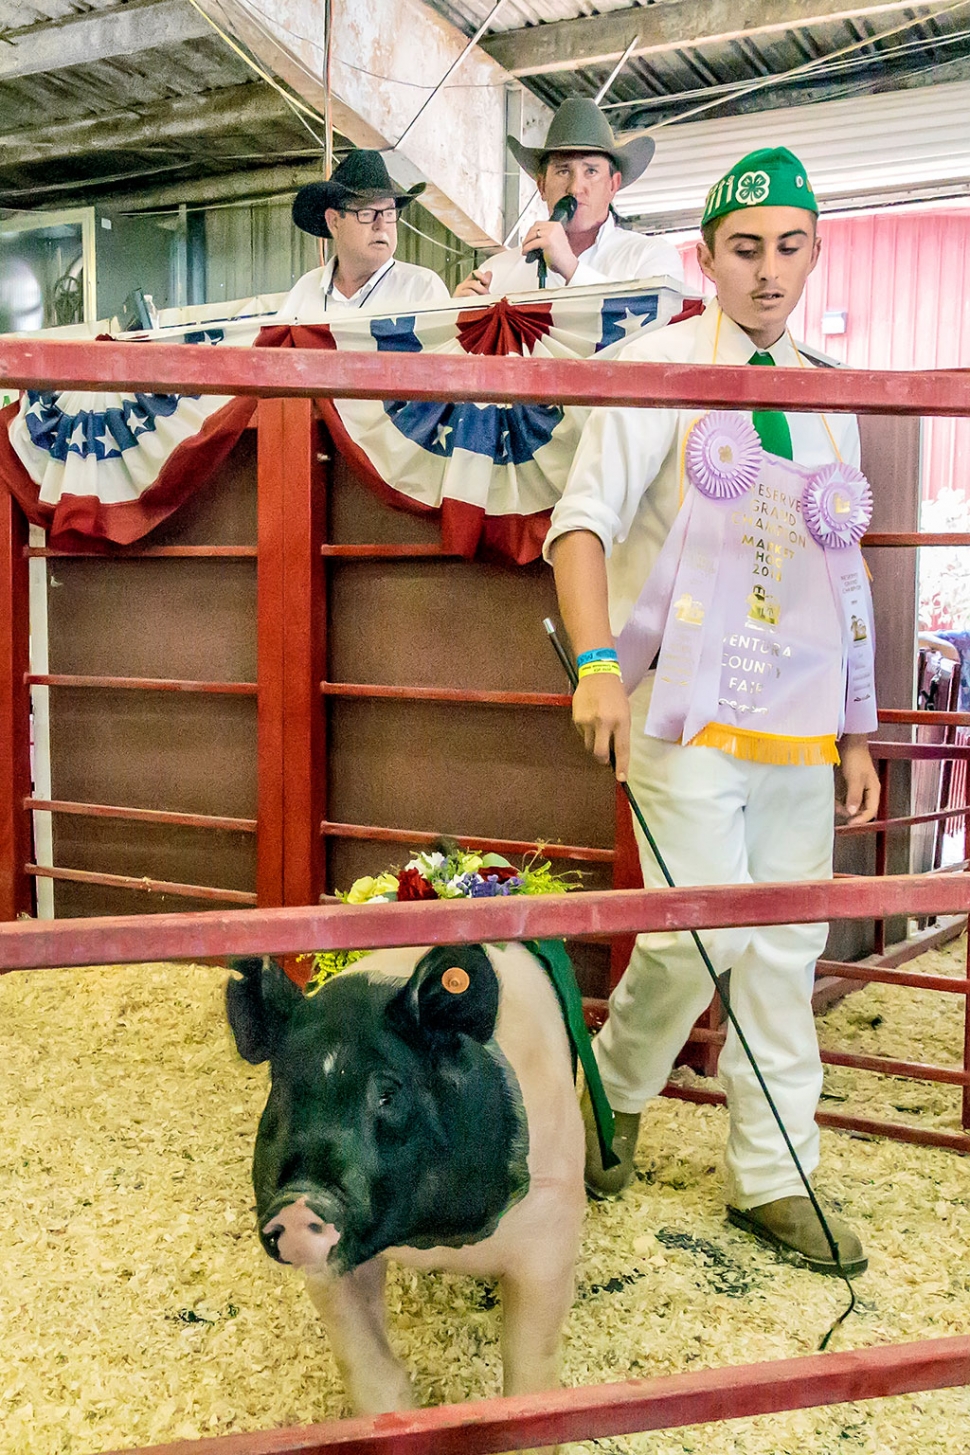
{"points": [[721, 821]]}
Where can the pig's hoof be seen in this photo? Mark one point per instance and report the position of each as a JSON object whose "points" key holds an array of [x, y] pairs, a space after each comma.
{"points": [[600, 1182]]}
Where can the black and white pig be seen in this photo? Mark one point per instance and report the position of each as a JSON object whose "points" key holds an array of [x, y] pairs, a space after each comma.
{"points": [[422, 1108]]}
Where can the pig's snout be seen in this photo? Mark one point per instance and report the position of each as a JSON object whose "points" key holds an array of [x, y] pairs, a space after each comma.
{"points": [[299, 1236]]}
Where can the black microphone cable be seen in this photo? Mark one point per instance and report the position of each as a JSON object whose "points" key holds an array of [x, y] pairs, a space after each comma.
{"points": [[564, 211], [573, 676]]}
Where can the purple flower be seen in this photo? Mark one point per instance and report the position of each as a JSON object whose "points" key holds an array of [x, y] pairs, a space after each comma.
{"points": [[487, 886]]}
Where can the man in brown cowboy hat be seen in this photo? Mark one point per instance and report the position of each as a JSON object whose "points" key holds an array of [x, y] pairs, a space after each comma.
{"points": [[358, 209], [582, 159]]}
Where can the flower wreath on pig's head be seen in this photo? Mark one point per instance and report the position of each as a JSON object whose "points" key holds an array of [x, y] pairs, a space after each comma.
{"points": [[457, 874]]}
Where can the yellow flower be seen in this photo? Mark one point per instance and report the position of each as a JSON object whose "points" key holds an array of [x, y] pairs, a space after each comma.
{"points": [[368, 888]]}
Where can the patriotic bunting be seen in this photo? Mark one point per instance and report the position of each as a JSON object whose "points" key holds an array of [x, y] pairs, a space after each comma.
{"points": [[110, 467]]}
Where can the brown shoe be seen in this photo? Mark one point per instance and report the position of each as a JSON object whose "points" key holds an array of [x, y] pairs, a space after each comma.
{"points": [[601, 1183], [791, 1224]]}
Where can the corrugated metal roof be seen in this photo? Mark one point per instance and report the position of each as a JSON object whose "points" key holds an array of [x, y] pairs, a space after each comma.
{"points": [[468, 15], [139, 84], [19, 14], [933, 47]]}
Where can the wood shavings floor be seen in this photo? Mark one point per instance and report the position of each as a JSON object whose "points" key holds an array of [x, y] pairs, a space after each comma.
{"points": [[138, 1308]]}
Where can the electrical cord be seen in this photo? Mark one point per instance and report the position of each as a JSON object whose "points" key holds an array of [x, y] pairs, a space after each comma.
{"points": [[573, 676]]}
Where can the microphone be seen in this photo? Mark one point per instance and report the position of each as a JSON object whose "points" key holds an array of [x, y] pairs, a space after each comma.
{"points": [[564, 211]]}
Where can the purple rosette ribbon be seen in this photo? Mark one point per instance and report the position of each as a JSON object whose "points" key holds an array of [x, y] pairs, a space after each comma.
{"points": [[723, 455], [837, 503]]}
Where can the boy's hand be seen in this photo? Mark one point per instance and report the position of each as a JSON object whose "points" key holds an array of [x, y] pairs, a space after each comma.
{"points": [[860, 802], [601, 712]]}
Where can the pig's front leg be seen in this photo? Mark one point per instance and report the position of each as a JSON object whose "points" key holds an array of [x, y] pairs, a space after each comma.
{"points": [[353, 1313], [534, 1309]]}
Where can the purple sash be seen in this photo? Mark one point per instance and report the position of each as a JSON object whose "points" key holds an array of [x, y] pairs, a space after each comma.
{"points": [[758, 602]]}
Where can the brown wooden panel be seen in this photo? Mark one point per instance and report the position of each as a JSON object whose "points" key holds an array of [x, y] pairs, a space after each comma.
{"points": [[356, 514], [891, 462], [499, 772], [81, 901], [156, 851], [190, 618], [348, 859], [189, 753], [442, 623], [223, 512]]}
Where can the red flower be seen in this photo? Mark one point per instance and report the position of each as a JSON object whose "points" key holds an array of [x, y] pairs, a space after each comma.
{"points": [[501, 872], [411, 884]]}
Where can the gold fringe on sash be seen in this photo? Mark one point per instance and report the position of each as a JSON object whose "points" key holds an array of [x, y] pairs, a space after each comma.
{"points": [[754, 747]]}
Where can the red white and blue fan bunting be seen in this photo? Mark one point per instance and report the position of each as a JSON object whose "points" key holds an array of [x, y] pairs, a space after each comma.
{"points": [[110, 467]]}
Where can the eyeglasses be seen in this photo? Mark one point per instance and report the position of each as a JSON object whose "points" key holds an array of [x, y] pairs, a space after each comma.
{"points": [[367, 215]]}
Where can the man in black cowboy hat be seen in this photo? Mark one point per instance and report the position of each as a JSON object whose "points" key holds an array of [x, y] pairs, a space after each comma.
{"points": [[579, 158], [358, 209]]}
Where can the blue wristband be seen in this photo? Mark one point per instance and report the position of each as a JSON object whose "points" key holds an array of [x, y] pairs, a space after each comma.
{"points": [[598, 654]]}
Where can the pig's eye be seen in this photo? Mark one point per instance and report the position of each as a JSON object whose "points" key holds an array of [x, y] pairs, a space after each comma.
{"points": [[387, 1094]]}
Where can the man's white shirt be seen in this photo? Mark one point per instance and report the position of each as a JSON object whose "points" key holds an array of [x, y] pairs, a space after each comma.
{"points": [[395, 286], [616, 256], [626, 482]]}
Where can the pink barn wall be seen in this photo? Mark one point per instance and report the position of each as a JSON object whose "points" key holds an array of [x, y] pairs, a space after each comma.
{"points": [[904, 278]]}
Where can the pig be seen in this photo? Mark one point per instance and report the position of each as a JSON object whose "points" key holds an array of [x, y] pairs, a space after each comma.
{"points": [[422, 1108]]}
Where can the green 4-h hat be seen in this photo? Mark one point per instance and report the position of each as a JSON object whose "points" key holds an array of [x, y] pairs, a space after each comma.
{"points": [[362, 177], [580, 126], [772, 177]]}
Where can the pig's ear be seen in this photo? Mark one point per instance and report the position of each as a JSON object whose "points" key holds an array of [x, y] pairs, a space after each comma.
{"points": [[453, 990], [259, 1006]]}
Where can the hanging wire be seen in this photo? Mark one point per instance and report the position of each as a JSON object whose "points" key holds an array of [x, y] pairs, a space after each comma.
{"points": [[327, 110], [298, 107], [327, 98], [473, 41], [458, 252], [727, 88], [809, 66]]}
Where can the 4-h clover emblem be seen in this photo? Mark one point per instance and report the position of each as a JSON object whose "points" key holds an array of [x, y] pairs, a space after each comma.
{"points": [[752, 188]]}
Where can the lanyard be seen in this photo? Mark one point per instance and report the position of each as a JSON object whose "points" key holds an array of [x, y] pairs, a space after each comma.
{"points": [[372, 289]]}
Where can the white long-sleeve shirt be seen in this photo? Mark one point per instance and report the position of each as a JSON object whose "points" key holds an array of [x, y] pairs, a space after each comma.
{"points": [[626, 485], [396, 285], [616, 256]]}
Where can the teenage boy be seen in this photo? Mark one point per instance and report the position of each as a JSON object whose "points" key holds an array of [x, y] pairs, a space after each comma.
{"points": [[726, 805]]}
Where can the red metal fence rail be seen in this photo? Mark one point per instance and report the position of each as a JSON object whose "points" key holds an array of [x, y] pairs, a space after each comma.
{"points": [[272, 374], [601, 1410], [320, 373], [131, 939], [576, 1414]]}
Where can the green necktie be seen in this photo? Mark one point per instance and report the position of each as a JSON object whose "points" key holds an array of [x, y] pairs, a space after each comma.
{"points": [[771, 424]]}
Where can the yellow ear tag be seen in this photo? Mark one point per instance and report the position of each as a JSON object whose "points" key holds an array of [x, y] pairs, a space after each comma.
{"points": [[456, 980]]}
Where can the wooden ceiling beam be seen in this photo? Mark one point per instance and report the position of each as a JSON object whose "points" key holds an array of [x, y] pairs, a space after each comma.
{"points": [[570, 45], [99, 36], [184, 118]]}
